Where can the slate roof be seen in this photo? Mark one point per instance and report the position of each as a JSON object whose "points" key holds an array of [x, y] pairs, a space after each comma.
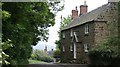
{"points": [[90, 16]]}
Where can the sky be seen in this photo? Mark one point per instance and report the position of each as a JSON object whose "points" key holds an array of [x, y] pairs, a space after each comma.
{"points": [[68, 7]]}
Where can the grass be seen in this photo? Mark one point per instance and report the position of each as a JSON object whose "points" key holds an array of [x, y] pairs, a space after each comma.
{"points": [[36, 62]]}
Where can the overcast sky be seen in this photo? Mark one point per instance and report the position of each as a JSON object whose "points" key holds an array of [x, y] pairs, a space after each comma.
{"points": [[69, 5]]}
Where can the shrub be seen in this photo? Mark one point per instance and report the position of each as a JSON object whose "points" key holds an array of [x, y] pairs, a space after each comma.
{"points": [[107, 53], [41, 56]]}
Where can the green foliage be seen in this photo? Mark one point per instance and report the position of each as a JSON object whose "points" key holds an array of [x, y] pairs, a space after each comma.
{"points": [[5, 15], [58, 44], [36, 62], [57, 53], [25, 23], [56, 6], [41, 56], [107, 52], [63, 24], [3, 56], [7, 43], [65, 21]]}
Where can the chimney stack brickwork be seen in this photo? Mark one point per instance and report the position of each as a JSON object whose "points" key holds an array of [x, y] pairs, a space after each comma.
{"points": [[83, 10], [45, 49], [74, 13]]}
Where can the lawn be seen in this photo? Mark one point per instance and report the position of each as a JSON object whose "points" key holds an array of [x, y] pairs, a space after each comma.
{"points": [[36, 62]]}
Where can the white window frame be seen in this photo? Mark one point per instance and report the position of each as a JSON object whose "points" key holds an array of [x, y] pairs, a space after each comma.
{"points": [[71, 33], [63, 49], [63, 35], [86, 47], [76, 38], [86, 29], [71, 48], [75, 53]]}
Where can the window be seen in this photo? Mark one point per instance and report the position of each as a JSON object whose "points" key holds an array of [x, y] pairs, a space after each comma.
{"points": [[86, 29], [71, 33], [76, 38], [75, 54], [86, 47], [71, 48], [63, 35], [63, 49]]}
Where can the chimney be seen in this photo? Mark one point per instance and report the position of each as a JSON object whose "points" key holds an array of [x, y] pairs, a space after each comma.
{"points": [[83, 8], [74, 13], [52, 50], [45, 49]]}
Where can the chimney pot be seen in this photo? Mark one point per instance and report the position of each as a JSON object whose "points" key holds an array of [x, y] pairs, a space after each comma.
{"points": [[76, 7], [85, 2]]}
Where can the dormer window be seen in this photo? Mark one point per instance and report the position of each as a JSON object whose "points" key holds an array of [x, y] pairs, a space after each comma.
{"points": [[63, 35], [76, 38], [86, 29], [86, 47]]}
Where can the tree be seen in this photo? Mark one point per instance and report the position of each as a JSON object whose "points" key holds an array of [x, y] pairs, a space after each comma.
{"points": [[3, 56], [28, 23], [107, 52], [57, 54], [40, 56], [65, 21], [62, 25], [4, 45]]}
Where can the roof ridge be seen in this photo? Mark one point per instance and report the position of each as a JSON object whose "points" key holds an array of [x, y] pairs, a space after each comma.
{"points": [[95, 10]]}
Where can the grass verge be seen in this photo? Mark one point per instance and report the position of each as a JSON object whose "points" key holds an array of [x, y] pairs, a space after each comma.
{"points": [[36, 62]]}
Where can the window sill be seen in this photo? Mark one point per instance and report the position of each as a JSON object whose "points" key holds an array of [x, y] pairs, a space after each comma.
{"points": [[86, 51], [86, 34]]}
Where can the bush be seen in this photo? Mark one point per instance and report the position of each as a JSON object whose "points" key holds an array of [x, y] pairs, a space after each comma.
{"points": [[107, 53], [57, 53], [41, 56]]}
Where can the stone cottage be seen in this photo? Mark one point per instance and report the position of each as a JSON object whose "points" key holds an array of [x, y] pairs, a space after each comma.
{"points": [[87, 30]]}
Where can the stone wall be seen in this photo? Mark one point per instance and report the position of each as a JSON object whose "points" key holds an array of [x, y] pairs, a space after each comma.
{"points": [[67, 55], [100, 32], [110, 15]]}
